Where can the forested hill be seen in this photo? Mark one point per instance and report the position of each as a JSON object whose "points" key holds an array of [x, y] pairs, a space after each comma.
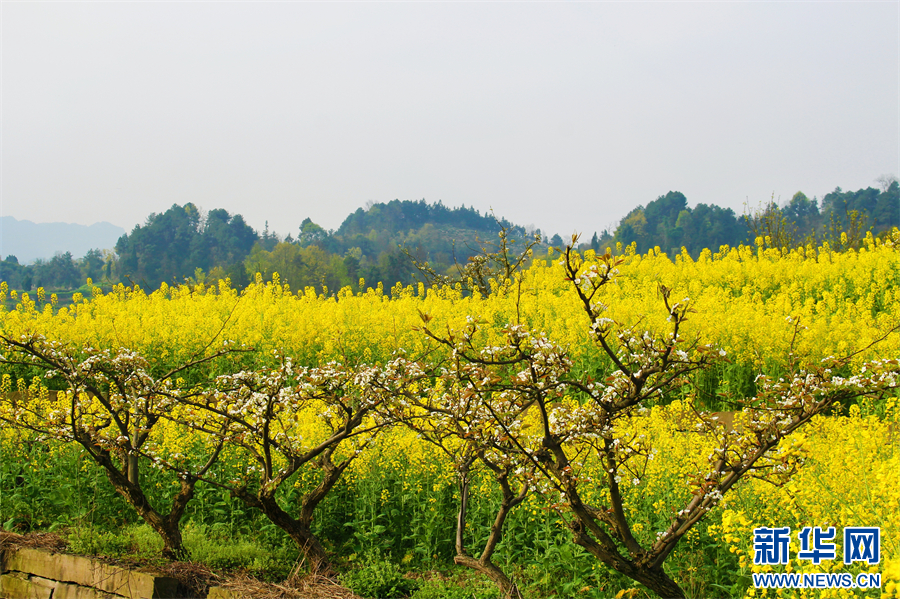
{"points": [[397, 216], [375, 243], [669, 224], [182, 242], [432, 228]]}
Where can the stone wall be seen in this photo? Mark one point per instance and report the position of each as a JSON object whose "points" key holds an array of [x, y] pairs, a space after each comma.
{"points": [[38, 574]]}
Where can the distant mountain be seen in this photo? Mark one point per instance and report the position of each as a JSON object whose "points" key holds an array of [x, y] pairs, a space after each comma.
{"points": [[29, 241], [383, 242]]}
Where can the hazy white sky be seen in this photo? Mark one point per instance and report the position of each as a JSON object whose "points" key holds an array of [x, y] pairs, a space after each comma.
{"points": [[561, 115]]}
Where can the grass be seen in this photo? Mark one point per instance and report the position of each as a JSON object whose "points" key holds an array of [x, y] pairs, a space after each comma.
{"points": [[218, 552]]}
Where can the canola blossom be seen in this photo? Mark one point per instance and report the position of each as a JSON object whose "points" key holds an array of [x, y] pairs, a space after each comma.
{"points": [[742, 299], [278, 373]]}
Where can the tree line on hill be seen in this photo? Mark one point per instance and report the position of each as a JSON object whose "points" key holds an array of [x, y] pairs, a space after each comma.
{"points": [[668, 223], [382, 242]]}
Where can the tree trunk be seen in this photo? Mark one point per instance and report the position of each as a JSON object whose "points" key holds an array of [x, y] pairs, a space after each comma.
{"points": [[173, 544], [300, 528], [659, 582], [306, 541], [508, 589], [654, 578], [134, 476], [166, 526]]}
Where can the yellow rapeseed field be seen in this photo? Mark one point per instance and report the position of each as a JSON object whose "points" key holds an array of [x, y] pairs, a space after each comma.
{"points": [[764, 309]]}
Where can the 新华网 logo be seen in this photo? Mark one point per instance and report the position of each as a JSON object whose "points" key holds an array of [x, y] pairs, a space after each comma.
{"points": [[772, 546]]}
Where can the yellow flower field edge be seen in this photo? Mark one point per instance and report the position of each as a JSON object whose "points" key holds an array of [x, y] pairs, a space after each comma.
{"points": [[742, 299]]}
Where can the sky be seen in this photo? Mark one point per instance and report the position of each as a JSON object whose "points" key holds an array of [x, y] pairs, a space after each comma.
{"points": [[560, 115]]}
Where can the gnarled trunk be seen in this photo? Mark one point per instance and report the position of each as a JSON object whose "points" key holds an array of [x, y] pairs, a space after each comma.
{"points": [[300, 533], [300, 528], [508, 589], [652, 577], [166, 526]]}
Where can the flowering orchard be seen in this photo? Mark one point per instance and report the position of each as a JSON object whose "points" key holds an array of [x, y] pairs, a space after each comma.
{"points": [[576, 428]]}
